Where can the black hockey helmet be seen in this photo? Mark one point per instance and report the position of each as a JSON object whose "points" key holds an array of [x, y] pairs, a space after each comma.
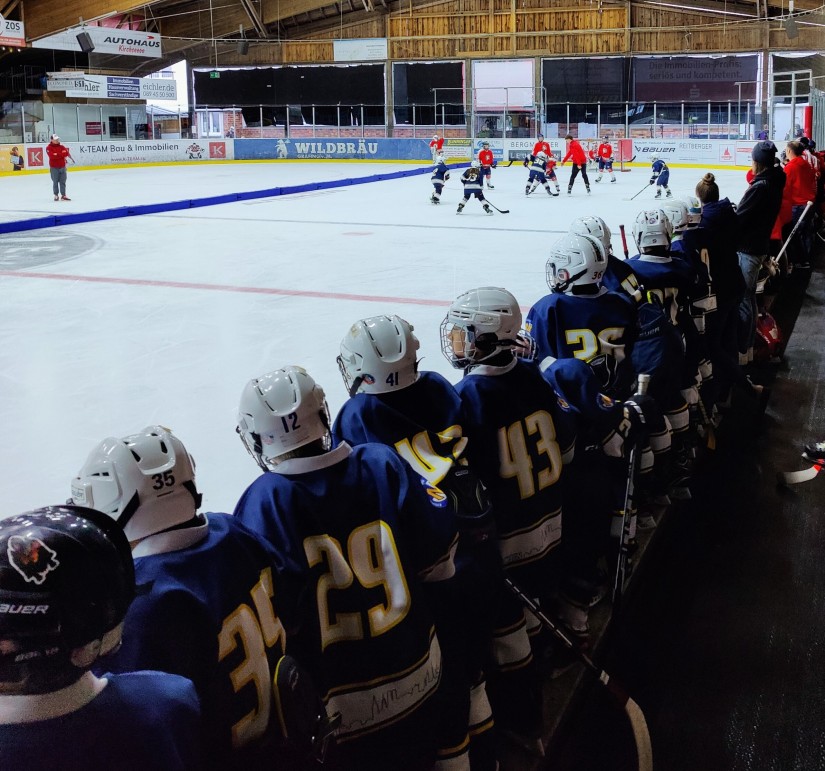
{"points": [[66, 581]]}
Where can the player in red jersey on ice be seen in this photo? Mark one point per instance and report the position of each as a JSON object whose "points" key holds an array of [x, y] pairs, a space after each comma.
{"points": [[486, 163], [605, 158]]}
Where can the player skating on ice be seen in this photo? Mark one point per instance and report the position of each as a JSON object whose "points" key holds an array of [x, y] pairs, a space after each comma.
{"points": [[66, 582], [198, 574], [436, 146], [575, 152], [550, 171], [591, 155], [473, 186], [541, 146], [486, 163], [604, 154], [660, 176], [537, 175], [439, 178]]}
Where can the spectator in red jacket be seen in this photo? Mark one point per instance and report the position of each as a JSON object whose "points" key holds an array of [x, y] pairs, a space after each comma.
{"points": [[800, 187], [576, 152], [57, 167]]}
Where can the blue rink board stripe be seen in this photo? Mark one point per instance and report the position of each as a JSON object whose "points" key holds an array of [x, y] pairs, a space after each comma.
{"points": [[56, 220]]}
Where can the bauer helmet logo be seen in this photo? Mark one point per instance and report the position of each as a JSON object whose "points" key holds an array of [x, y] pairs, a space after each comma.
{"points": [[31, 558]]}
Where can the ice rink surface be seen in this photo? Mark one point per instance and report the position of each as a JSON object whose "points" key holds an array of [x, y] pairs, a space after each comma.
{"points": [[111, 326]]}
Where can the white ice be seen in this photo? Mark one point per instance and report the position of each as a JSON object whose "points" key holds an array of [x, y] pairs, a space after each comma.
{"points": [[164, 318]]}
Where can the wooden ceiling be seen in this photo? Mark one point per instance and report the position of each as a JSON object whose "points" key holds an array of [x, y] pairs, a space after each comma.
{"points": [[191, 28]]}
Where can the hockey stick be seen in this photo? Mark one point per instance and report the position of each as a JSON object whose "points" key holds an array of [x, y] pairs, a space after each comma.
{"points": [[638, 724], [707, 424], [640, 192], [621, 562], [775, 260], [624, 242], [500, 211], [795, 477]]}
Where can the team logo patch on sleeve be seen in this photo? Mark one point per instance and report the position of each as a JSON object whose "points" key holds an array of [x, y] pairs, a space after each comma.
{"points": [[436, 496], [604, 402], [31, 558]]}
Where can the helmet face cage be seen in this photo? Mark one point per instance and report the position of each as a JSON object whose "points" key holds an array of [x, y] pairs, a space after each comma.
{"points": [[69, 569], [575, 261], [280, 412], [379, 355], [479, 324], [597, 228], [145, 482], [475, 164], [652, 228]]}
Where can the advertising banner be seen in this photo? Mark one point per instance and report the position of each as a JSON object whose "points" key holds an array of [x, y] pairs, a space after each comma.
{"points": [[12, 33], [676, 78], [349, 149], [360, 49], [112, 87], [149, 151], [124, 42], [11, 157]]}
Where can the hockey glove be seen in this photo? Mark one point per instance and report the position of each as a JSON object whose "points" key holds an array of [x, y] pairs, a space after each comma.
{"points": [[495, 163], [652, 180], [470, 502], [446, 175]]}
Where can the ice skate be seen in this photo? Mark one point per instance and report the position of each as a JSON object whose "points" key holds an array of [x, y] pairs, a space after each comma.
{"points": [[612, 179], [569, 190], [491, 187], [433, 199], [658, 194], [57, 198], [588, 190], [460, 208], [669, 194], [599, 178], [65, 198], [487, 209]]}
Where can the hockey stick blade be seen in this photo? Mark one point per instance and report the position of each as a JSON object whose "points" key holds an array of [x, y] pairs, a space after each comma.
{"points": [[795, 477], [638, 724], [500, 211]]}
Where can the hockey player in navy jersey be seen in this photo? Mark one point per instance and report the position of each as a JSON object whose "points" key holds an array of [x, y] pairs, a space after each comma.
{"points": [[369, 542], [579, 318], [66, 574], [537, 168], [618, 275], [660, 176], [439, 178], [669, 281], [203, 580], [473, 186], [519, 433], [419, 415]]}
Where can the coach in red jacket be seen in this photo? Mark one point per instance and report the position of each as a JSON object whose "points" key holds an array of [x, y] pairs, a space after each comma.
{"points": [[576, 152], [57, 167]]}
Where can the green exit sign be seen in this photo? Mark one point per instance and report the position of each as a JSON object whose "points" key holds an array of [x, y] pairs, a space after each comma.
{"points": [[214, 74]]}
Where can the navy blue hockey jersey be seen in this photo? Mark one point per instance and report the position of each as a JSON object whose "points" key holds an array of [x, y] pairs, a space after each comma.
{"points": [[519, 436], [139, 721], [619, 277], [206, 612], [422, 423], [568, 326], [672, 279], [361, 531]]}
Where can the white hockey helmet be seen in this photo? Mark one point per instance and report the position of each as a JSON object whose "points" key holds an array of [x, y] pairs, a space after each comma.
{"points": [[144, 481], [439, 159], [654, 158], [378, 355], [541, 155], [652, 228], [435, 136], [694, 208], [475, 164], [280, 412], [575, 261], [677, 212], [595, 227], [480, 324]]}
